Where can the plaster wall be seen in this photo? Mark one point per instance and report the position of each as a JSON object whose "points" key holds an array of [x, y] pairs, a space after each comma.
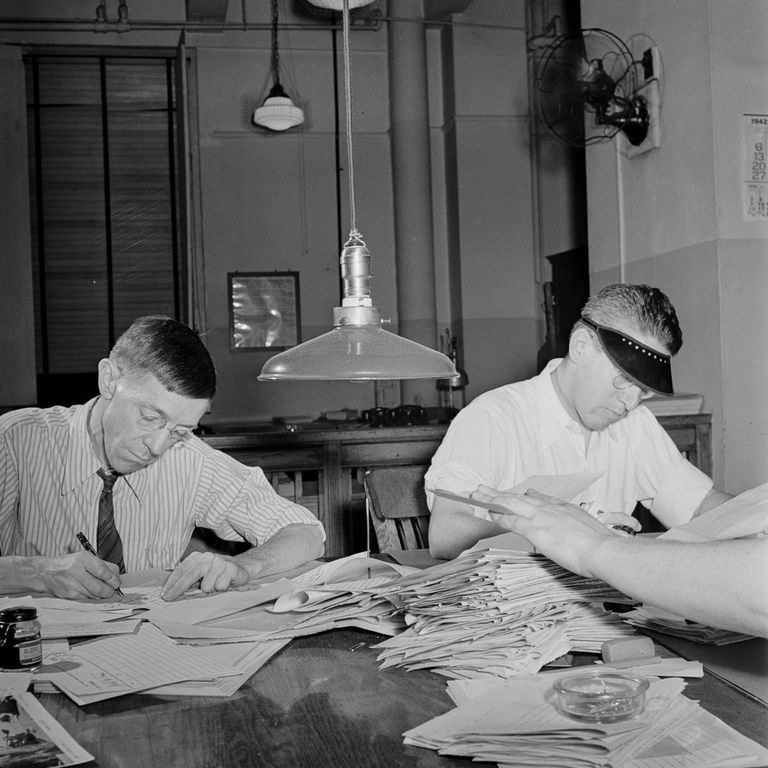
{"points": [[673, 217]]}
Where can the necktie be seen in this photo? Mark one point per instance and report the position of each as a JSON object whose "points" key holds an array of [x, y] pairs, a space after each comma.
{"points": [[108, 543]]}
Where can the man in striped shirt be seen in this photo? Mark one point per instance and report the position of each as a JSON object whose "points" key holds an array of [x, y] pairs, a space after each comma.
{"points": [[154, 387]]}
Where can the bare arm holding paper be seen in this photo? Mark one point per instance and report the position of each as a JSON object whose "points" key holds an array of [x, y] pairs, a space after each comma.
{"points": [[450, 510], [721, 583]]}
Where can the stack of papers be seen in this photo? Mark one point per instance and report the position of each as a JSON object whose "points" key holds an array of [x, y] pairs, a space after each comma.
{"points": [[204, 644], [516, 723], [109, 667], [338, 594], [656, 620], [497, 613]]}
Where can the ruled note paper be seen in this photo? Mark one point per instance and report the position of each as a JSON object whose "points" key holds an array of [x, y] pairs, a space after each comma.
{"points": [[102, 669]]}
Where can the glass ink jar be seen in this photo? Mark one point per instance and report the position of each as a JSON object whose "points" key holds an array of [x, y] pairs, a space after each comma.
{"points": [[20, 641]]}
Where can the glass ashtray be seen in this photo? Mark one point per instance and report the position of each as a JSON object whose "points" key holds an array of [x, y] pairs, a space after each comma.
{"points": [[600, 697]]}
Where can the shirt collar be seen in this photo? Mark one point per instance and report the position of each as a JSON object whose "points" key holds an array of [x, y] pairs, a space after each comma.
{"points": [[554, 419], [82, 461]]}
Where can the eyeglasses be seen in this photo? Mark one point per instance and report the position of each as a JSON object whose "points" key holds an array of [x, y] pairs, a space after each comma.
{"points": [[154, 423], [621, 382]]}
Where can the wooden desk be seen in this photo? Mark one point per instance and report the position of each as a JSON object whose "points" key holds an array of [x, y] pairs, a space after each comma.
{"points": [[322, 701], [322, 468]]}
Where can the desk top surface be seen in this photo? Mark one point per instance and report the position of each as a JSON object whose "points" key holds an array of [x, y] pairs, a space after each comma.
{"points": [[322, 701]]}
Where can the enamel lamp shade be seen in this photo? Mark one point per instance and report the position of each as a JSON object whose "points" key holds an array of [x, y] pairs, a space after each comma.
{"points": [[357, 348]]}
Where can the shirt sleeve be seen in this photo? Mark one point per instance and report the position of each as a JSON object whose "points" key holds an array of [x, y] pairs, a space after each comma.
{"points": [[671, 487], [238, 502], [469, 454], [9, 494]]}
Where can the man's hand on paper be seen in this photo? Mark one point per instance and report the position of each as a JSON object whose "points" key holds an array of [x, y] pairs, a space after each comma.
{"points": [[76, 576], [214, 573], [563, 532]]}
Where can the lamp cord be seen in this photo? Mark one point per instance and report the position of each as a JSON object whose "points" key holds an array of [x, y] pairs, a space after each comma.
{"points": [[275, 54], [353, 234]]}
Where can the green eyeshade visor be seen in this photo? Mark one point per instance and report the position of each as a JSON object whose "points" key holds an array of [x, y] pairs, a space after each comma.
{"points": [[646, 367]]}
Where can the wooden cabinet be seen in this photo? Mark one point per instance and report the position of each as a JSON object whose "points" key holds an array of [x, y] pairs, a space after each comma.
{"points": [[322, 468], [693, 436]]}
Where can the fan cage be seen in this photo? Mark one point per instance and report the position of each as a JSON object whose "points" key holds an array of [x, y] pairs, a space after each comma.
{"points": [[586, 84]]}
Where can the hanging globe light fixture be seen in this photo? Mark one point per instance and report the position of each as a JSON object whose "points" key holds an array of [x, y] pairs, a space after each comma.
{"points": [[278, 112]]}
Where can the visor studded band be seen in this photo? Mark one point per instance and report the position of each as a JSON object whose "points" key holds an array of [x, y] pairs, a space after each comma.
{"points": [[646, 367]]}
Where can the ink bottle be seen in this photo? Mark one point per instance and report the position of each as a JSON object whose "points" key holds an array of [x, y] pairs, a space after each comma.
{"points": [[20, 641]]}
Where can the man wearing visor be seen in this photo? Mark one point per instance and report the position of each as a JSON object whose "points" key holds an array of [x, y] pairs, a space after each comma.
{"points": [[579, 415]]}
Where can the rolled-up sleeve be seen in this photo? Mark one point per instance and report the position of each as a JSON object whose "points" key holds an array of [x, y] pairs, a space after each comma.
{"points": [[238, 502], [670, 486], [680, 495]]}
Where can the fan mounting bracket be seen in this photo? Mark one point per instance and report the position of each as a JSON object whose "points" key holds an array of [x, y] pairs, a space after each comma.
{"points": [[650, 91]]}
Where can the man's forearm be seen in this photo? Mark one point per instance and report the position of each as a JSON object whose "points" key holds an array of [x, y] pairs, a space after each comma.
{"points": [[719, 583], [453, 528], [292, 546], [21, 573]]}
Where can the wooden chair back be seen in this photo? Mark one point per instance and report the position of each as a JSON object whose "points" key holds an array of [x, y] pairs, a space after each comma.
{"points": [[397, 507]]}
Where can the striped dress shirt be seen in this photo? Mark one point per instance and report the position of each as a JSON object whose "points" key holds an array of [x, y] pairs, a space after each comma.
{"points": [[49, 491]]}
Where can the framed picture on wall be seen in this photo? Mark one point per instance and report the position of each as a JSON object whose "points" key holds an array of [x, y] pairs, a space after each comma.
{"points": [[263, 310]]}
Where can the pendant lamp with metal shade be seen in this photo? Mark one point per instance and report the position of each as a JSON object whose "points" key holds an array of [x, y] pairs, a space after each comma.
{"points": [[278, 112], [357, 348]]}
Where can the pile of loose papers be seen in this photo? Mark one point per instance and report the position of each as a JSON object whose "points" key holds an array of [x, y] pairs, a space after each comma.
{"points": [[516, 723], [341, 593], [497, 613], [657, 620], [205, 644]]}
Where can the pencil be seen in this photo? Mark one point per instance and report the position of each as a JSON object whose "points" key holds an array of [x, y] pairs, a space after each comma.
{"points": [[86, 545], [504, 511], [473, 502]]}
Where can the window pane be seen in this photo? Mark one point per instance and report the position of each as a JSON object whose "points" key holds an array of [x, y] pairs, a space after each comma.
{"points": [[143, 252]]}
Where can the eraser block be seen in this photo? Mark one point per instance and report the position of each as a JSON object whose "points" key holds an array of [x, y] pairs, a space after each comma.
{"points": [[628, 648]]}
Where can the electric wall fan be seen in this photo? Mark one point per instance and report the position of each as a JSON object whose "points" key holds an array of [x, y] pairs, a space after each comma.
{"points": [[589, 87]]}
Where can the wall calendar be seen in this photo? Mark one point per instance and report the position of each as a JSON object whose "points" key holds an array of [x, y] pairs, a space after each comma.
{"points": [[755, 184]]}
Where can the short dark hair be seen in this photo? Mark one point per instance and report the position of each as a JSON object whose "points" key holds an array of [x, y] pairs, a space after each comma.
{"points": [[642, 308], [170, 351]]}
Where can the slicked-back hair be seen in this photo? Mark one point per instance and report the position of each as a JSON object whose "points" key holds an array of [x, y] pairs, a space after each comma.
{"points": [[169, 350], [641, 308]]}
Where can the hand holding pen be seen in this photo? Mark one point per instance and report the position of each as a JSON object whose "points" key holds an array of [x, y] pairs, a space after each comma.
{"points": [[86, 545]]}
